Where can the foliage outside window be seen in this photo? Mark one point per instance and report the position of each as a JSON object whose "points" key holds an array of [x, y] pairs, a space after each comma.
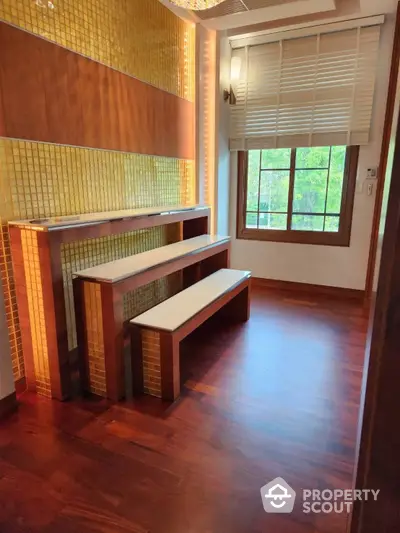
{"points": [[302, 195]]}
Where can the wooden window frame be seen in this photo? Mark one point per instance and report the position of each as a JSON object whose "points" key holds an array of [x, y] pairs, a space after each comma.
{"points": [[325, 238]]}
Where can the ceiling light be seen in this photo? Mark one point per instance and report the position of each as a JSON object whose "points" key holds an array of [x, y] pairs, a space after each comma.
{"points": [[196, 5]]}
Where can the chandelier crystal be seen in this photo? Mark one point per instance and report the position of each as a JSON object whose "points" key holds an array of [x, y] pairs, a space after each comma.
{"points": [[197, 5]]}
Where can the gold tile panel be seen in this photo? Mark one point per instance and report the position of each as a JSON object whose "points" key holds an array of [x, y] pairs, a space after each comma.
{"points": [[34, 292], [10, 302], [151, 362], [95, 338], [42, 180], [135, 302], [139, 37], [92, 252]]}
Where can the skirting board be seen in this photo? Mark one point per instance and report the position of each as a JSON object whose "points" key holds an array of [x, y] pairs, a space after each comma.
{"points": [[8, 405], [323, 290]]}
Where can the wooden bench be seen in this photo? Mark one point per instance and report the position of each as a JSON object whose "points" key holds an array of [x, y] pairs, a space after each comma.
{"points": [[156, 334], [99, 303]]}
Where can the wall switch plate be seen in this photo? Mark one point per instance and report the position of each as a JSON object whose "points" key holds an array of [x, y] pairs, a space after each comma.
{"points": [[370, 189], [372, 173]]}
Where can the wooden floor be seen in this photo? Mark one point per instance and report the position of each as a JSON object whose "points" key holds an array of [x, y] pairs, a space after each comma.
{"points": [[277, 396]]}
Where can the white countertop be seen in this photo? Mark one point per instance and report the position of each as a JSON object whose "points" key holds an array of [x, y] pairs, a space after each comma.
{"points": [[58, 223], [174, 312], [135, 264]]}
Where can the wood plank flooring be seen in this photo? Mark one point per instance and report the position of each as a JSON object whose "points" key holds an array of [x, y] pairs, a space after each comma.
{"points": [[277, 396]]}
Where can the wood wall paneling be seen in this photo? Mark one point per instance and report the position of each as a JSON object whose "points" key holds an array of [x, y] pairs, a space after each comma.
{"points": [[51, 94]]}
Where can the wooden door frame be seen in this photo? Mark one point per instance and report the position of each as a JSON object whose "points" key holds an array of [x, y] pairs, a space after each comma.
{"points": [[391, 98], [377, 461]]}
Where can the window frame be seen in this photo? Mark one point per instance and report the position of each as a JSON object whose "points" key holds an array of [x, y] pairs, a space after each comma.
{"points": [[325, 238]]}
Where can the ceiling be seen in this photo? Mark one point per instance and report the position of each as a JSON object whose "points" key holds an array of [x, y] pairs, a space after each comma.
{"points": [[230, 7], [238, 17], [236, 13]]}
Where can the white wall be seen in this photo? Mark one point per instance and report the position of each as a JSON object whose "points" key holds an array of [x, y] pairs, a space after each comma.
{"points": [[222, 184], [324, 265], [6, 375]]}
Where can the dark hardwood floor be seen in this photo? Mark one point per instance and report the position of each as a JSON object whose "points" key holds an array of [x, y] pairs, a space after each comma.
{"points": [[277, 396]]}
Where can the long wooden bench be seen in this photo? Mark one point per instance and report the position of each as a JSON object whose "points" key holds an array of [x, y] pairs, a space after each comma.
{"points": [[99, 303], [157, 333]]}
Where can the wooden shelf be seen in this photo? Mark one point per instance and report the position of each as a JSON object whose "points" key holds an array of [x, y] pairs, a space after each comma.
{"points": [[121, 269], [75, 221]]}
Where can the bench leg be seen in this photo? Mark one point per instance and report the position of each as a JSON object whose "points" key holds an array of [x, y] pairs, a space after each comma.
{"points": [[136, 360], [113, 325], [238, 309], [81, 328], [170, 371]]}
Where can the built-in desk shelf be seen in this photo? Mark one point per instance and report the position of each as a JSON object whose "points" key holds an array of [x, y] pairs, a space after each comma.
{"points": [[75, 221], [36, 248], [121, 269]]}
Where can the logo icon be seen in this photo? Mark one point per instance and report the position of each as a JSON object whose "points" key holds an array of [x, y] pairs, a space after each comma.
{"points": [[278, 497]]}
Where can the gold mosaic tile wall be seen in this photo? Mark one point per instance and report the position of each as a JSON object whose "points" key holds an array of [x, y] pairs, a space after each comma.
{"points": [[138, 37], [143, 39], [135, 302], [41, 180], [34, 292], [95, 338], [151, 362], [10, 300], [92, 252]]}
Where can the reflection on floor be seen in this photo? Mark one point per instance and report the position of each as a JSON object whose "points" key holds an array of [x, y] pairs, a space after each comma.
{"points": [[277, 396]]}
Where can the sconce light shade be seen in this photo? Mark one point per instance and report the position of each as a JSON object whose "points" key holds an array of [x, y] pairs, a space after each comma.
{"points": [[236, 65]]}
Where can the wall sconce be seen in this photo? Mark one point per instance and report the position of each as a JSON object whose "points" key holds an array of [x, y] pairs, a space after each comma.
{"points": [[236, 65]]}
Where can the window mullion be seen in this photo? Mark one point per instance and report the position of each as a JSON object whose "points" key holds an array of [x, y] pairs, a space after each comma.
{"points": [[291, 187], [327, 186], [259, 192]]}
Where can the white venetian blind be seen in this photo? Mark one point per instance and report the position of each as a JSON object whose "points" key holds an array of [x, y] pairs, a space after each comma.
{"points": [[310, 91]]}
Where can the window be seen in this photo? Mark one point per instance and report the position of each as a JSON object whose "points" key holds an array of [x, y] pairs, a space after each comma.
{"points": [[300, 195]]}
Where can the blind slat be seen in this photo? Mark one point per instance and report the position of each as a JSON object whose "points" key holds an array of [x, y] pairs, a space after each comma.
{"points": [[311, 91]]}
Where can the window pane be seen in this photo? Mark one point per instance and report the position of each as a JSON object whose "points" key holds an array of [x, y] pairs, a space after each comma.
{"points": [[310, 191], [274, 190], [332, 224], [271, 221], [307, 223], [335, 188], [317, 157], [251, 220], [253, 176], [276, 158]]}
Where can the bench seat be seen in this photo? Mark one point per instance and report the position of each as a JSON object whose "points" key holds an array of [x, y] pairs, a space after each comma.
{"points": [[156, 334]]}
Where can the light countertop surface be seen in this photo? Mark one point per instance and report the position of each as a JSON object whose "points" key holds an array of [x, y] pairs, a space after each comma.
{"points": [[63, 222], [174, 312], [120, 269]]}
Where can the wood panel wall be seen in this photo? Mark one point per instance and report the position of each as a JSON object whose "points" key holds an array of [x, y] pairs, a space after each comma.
{"points": [[51, 94]]}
